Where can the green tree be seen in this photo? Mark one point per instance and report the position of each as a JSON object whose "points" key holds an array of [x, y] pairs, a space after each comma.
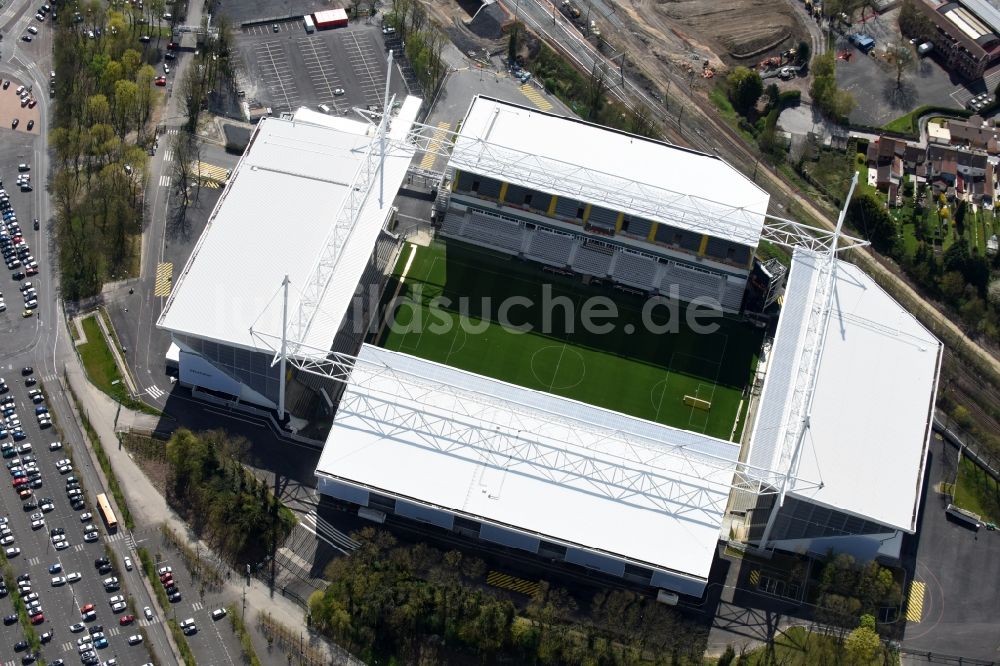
{"points": [[868, 215], [745, 88], [802, 53], [862, 644]]}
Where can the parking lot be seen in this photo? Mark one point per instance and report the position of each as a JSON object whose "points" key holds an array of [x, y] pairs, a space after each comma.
{"points": [[340, 68], [55, 564]]}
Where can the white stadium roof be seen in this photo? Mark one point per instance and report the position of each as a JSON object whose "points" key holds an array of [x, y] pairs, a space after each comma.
{"points": [[538, 463], [571, 158], [866, 443], [273, 219]]}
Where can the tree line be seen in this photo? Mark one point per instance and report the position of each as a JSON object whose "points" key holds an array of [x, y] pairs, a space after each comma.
{"points": [[104, 103], [417, 604], [223, 502]]}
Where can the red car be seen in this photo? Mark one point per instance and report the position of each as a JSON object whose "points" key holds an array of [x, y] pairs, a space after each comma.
{"points": [[166, 578], [20, 481], [172, 46], [32, 104], [24, 493], [126, 619], [161, 81], [87, 608], [37, 619]]}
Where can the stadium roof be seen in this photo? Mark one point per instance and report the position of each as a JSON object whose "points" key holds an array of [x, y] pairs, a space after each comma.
{"points": [[572, 158], [866, 443], [273, 218], [545, 465]]}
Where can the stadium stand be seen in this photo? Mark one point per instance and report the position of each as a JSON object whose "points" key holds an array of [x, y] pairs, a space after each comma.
{"points": [[690, 282], [492, 231], [635, 270], [593, 258], [551, 248]]}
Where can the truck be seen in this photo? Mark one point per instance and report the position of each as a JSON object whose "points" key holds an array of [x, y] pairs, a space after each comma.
{"points": [[310, 25]]}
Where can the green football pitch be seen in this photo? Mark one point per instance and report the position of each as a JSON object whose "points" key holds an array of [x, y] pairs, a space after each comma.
{"points": [[450, 306]]}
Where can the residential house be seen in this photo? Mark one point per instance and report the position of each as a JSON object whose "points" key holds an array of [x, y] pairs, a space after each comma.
{"points": [[975, 133], [887, 157]]}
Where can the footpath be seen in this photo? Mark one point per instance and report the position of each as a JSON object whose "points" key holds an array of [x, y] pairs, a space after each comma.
{"points": [[149, 508]]}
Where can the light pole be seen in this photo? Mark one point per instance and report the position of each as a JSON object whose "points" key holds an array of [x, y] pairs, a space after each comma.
{"points": [[118, 411]]}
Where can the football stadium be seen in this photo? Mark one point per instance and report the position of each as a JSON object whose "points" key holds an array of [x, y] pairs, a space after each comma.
{"points": [[572, 360]]}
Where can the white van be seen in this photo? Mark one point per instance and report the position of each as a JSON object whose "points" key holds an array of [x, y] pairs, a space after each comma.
{"points": [[324, 108]]}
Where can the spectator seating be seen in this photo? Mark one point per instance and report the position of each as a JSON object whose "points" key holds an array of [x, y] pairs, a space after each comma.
{"points": [[635, 271], [550, 248]]}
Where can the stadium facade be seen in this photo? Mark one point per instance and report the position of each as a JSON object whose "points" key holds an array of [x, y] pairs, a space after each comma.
{"points": [[833, 453]]}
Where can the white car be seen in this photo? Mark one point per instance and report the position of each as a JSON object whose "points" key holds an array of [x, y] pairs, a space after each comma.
{"points": [[77, 628], [58, 581], [24, 448], [7, 540], [128, 563], [12, 552], [91, 537], [64, 461], [163, 570], [46, 507], [61, 545], [37, 524], [134, 639], [118, 598], [65, 469], [73, 577], [148, 612], [55, 446], [118, 607], [85, 516]]}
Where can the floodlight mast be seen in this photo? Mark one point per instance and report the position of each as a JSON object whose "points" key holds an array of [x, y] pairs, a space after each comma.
{"points": [[806, 379]]}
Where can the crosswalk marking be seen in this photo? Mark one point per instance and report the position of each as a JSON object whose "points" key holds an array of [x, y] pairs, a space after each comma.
{"points": [[155, 392], [210, 172], [915, 602], [508, 582], [435, 145], [146, 623], [164, 276], [168, 155], [33, 561], [67, 646], [197, 606], [114, 631], [536, 97], [78, 547], [164, 180]]}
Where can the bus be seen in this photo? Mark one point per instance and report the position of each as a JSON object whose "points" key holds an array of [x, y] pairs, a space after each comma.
{"points": [[106, 513], [970, 519]]}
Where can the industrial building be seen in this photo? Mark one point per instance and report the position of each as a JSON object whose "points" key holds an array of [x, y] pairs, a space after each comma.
{"points": [[965, 34], [832, 455]]}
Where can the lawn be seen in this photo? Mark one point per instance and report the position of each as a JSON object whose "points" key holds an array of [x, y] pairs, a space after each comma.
{"points": [[799, 647], [457, 295], [977, 491], [97, 359]]}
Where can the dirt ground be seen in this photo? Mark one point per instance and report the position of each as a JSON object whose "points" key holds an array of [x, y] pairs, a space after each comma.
{"points": [[10, 108], [675, 32], [733, 31]]}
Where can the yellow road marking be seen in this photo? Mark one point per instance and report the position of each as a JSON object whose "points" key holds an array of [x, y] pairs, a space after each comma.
{"points": [[915, 602], [508, 582], [431, 155], [164, 277], [531, 92], [209, 172]]}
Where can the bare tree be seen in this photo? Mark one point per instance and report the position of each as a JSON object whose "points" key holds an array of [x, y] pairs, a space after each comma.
{"points": [[597, 85]]}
